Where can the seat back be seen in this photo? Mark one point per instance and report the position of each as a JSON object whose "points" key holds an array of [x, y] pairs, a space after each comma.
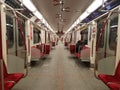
{"points": [[47, 49], [72, 48], [65, 44], [35, 52], [53, 43]]}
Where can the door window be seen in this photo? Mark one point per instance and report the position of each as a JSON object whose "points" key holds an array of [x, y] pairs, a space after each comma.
{"points": [[10, 31], [113, 33], [36, 35], [20, 38]]}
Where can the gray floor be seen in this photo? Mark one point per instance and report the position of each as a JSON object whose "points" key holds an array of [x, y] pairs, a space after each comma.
{"points": [[60, 71]]}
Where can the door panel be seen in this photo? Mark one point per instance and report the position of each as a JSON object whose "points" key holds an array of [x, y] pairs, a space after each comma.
{"points": [[107, 49], [15, 46]]}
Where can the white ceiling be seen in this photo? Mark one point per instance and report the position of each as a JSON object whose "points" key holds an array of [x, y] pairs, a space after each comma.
{"points": [[49, 11]]}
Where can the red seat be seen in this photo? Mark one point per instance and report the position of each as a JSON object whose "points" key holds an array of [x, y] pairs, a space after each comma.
{"points": [[37, 52], [108, 79], [53, 43], [66, 44], [47, 49], [114, 86], [77, 55], [72, 49], [11, 77], [14, 77], [7, 85], [42, 55]]}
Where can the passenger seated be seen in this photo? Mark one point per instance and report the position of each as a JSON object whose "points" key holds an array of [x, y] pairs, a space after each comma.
{"points": [[78, 46], [84, 42]]}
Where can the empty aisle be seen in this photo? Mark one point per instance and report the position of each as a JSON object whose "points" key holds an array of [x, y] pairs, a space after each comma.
{"points": [[60, 71]]}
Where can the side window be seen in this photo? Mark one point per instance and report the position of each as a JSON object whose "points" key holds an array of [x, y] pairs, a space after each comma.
{"points": [[10, 31], [84, 36], [20, 39], [113, 33], [99, 27], [36, 36]]}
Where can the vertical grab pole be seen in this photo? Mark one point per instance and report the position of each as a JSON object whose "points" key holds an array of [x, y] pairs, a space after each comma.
{"points": [[23, 37], [2, 76]]}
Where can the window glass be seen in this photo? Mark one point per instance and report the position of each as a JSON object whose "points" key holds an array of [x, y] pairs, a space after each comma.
{"points": [[10, 31], [99, 28], [36, 35], [84, 36], [20, 39], [113, 33]]}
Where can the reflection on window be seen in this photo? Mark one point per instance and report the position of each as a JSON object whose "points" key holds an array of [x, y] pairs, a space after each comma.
{"points": [[113, 33], [20, 39], [10, 33], [36, 36], [99, 27]]}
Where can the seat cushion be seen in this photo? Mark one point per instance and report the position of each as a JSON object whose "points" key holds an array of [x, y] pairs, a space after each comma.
{"points": [[47, 47], [42, 55], [114, 86], [72, 49], [108, 78], [14, 77], [7, 85], [77, 55]]}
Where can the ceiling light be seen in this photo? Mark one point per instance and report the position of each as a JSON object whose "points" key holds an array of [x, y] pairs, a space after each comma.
{"points": [[29, 5], [77, 21], [61, 2], [63, 9], [60, 15], [84, 15], [38, 15], [32, 8], [95, 5]]}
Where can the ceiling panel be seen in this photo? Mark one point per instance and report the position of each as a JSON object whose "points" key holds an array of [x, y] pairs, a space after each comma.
{"points": [[49, 11]]}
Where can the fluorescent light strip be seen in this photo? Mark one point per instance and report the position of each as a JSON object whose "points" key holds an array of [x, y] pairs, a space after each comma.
{"points": [[95, 5], [29, 5], [84, 15], [32, 8], [89, 10], [37, 14]]}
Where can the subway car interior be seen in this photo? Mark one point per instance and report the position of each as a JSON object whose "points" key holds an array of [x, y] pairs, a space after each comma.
{"points": [[59, 44]]}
